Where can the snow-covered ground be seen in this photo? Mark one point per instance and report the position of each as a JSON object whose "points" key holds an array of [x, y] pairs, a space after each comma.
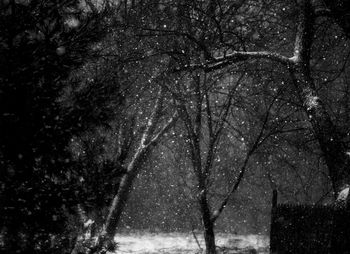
{"points": [[181, 243]]}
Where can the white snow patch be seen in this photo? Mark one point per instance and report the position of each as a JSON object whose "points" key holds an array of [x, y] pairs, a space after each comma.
{"points": [[88, 223], [172, 243], [311, 102], [343, 195]]}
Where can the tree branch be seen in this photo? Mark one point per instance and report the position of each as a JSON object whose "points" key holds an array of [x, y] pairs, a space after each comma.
{"points": [[151, 124], [169, 124], [255, 146], [304, 35], [239, 56]]}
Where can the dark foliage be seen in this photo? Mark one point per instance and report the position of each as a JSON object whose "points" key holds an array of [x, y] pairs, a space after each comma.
{"points": [[41, 42]]}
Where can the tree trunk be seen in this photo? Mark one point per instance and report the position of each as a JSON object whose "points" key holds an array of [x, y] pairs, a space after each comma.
{"points": [[149, 139], [119, 201], [329, 137], [118, 204], [209, 236]]}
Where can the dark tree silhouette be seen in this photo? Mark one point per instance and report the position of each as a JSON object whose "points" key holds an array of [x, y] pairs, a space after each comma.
{"points": [[41, 42]]}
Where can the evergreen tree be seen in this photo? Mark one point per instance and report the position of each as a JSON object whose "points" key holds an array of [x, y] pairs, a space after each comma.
{"points": [[41, 42]]}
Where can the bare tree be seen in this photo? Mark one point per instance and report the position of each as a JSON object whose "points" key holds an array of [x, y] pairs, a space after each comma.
{"points": [[298, 64], [205, 120], [150, 137]]}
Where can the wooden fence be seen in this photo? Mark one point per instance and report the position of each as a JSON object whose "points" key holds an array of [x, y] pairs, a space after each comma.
{"points": [[309, 229]]}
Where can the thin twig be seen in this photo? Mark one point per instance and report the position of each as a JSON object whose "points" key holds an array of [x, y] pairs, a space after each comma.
{"points": [[195, 238]]}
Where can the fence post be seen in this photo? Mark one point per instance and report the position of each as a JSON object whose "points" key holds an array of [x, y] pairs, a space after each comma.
{"points": [[273, 247], [274, 198]]}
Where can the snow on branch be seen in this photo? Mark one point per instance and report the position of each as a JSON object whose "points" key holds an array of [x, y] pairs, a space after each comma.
{"points": [[153, 119], [170, 123], [239, 56]]}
